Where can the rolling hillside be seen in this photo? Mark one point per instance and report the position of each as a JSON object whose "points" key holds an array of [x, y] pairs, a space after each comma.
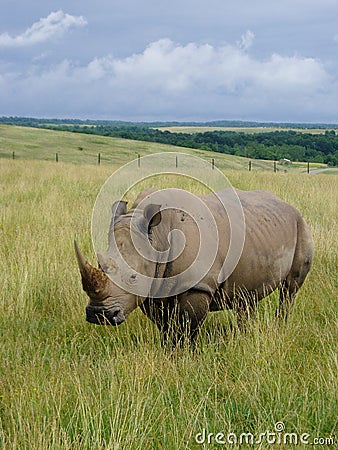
{"points": [[42, 144]]}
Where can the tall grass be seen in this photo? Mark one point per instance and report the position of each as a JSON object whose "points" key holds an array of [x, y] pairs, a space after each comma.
{"points": [[66, 384]]}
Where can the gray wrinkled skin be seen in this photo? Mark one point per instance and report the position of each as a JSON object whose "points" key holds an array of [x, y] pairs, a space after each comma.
{"points": [[276, 252]]}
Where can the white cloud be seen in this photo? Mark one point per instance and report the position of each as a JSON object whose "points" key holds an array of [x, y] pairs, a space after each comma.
{"points": [[55, 24], [167, 67], [172, 81], [246, 40]]}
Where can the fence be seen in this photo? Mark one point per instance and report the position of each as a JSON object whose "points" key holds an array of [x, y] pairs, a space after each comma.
{"points": [[250, 165]]}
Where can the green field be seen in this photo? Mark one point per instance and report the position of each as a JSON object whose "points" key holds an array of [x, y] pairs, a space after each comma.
{"points": [[67, 384], [41, 144], [203, 129], [331, 172]]}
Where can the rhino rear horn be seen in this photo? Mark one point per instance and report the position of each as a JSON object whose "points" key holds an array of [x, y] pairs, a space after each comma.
{"points": [[93, 280]]}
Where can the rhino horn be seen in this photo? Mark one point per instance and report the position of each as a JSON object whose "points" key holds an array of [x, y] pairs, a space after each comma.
{"points": [[93, 280]]}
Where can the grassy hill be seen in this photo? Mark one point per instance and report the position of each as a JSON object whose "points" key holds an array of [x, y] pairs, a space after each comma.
{"points": [[42, 144]]}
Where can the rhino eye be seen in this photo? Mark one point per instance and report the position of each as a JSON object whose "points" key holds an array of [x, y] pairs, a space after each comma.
{"points": [[133, 277]]}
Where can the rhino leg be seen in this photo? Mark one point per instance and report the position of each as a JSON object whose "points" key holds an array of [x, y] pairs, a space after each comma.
{"points": [[179, 319], [158, 313], [191, 310], [287, 294], [290, 286], [300, 267], [288, 291]]}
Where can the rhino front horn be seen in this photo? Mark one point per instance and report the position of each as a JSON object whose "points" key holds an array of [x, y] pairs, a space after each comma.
{"points": [[93, 280]]}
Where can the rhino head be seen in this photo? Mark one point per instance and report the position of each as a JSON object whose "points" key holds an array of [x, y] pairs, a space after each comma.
{"points": [[109, 304]]}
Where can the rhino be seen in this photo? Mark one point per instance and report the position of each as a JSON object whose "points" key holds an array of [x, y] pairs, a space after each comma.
{"points": [[277, 253]]}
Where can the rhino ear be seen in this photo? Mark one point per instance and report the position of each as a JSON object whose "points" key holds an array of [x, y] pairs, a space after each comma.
{"points": [[152, 214], [118, 209]]}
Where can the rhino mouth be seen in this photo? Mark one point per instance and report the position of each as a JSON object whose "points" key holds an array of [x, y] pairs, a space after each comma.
{"points": [[101, 316]]}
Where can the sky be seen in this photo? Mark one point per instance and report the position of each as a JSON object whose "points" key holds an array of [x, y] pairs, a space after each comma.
{"points": [[184, 60]]}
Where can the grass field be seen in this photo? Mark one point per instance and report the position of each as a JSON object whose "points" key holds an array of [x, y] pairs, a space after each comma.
{"points": [[201, 129], [67, 384], [331, 172], [40, 144]]}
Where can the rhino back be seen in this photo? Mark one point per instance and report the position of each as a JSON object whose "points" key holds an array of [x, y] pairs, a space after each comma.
{"points": [[270, 243]]}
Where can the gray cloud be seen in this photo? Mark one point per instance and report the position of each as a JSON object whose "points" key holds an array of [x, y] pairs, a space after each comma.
{"points": [[195, 60], [173, 80]]}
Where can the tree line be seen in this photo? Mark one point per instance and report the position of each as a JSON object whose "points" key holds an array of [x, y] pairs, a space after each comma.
{"points": [[274, 145]]}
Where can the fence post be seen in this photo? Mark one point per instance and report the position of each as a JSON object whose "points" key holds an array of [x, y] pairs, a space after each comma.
{"points": [[213, 163], [275, 166], [13, 155], [308, 167], [57, 157], [176, 163], [250, 165], [138, 160], [99, 158]]}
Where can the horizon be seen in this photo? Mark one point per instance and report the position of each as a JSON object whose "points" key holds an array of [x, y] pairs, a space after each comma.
{"points": [[236, 123]]}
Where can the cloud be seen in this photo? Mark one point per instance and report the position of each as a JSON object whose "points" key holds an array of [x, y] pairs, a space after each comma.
{"points": [[55, 24], [167, 67], [172, 81], [246, 40]]}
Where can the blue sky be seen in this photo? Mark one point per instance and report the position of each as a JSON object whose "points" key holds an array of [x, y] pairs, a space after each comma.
{"points": [[178, 60]]}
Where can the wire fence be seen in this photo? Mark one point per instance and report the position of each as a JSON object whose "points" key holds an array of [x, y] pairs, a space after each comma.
{"points": [[113, 159]]}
